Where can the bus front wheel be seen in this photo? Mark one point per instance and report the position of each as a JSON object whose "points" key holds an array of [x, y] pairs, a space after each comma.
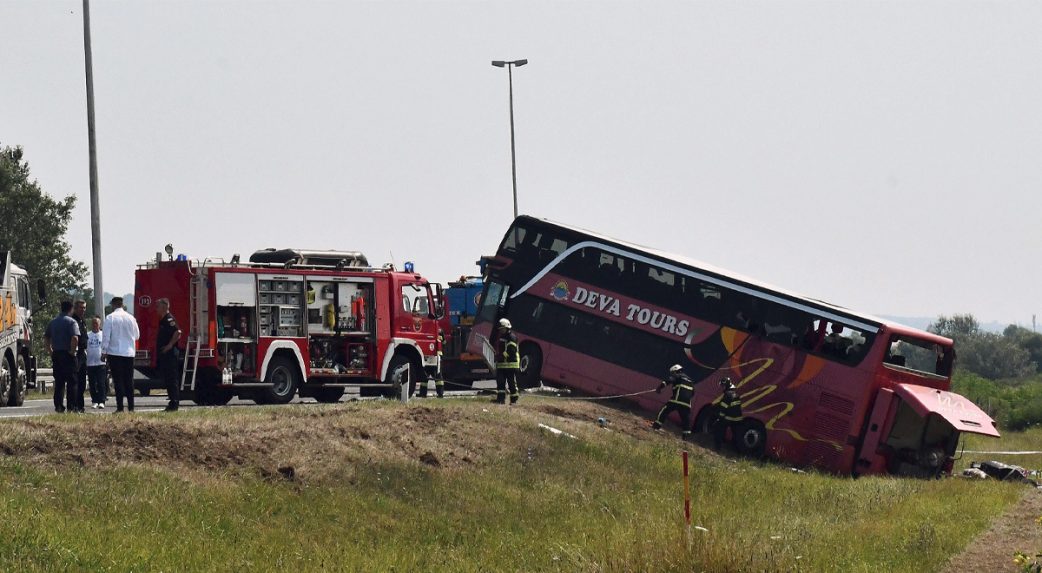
{"points": [[531, 363]]}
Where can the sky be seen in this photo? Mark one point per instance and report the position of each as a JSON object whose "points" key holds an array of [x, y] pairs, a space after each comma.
{"points": [[883, 156]]}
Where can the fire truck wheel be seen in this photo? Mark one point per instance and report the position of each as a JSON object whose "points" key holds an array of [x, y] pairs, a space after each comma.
{"points": [[400, 364], [530, 373], [329, 395], [751, 439], [282, 375], [18, 385], [5, 381]]}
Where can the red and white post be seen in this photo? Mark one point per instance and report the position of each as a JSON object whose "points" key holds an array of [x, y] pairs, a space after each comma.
{"points": [[687, 502]]}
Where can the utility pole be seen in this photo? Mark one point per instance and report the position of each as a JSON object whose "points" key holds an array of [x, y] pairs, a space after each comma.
{"points": [[95, 203]]}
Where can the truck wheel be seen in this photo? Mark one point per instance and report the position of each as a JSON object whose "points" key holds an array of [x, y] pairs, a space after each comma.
{"points": [[329, 395], [531, 371], [283, 376], [5, 381], [751, 439], [400, 367], [18, 382]]}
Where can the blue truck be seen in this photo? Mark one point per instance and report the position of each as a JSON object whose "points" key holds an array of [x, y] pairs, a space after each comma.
{"points": [[458, 366]]}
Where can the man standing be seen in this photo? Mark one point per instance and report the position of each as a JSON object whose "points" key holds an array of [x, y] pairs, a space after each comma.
{"points": [[79, 308], [96, 374], [680, 402], [62, 338], [121, 332], [730, 414], [166, 353], [508, 362], [435, 372]]}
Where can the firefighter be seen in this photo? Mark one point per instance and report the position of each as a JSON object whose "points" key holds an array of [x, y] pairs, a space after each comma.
{"points": [[508, 361], [680, 402], [166, 350], [439, 382], [729, 415]]}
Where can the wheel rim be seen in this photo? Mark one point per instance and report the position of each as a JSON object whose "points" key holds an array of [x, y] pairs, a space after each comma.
{"points": [[5, 379], [19, 379], [523, 364], [752, 438]]}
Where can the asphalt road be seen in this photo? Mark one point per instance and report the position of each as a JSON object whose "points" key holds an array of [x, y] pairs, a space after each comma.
{"points": [[35, 406]]}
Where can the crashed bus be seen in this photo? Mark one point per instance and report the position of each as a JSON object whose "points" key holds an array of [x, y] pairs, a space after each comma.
{"points": [[821, 385]]}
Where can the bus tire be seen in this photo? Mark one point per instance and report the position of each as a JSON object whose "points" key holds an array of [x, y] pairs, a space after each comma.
{"points": [[283, 375], [704, 420], [396, 369], [751, 439], [18, 382], [329, 395], [529, 375]]}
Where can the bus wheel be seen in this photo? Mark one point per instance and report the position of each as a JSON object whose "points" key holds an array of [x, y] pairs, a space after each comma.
{"points": [[18, 382], [282, 375], [751, 439], [329, 395], [530, 373], [704, 420]]}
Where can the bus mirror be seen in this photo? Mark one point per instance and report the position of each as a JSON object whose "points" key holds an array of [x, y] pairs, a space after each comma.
{"points": [[41, 290]]}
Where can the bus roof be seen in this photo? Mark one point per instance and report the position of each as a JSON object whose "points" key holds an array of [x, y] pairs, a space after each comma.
{"points": [[696, 265]]}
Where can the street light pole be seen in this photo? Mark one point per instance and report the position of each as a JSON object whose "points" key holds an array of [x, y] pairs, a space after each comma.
{"points": [[513, 157], [95, 206]]}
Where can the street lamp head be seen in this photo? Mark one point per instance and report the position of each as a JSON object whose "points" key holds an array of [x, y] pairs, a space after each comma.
{"points": [[498, 63], [520, 62]]}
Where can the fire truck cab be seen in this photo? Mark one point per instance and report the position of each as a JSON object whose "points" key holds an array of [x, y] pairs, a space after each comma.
{"points": [[289, 321]]}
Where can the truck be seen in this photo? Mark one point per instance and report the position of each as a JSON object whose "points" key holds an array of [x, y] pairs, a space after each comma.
{"points": [[288, 322], [460, 367], [17, 361]]}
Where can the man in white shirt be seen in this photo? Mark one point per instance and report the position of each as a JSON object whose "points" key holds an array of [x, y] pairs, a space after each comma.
{"points": [[99, 385], [117, 345]]}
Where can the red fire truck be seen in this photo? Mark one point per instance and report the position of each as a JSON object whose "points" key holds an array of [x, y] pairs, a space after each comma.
{"points": [[288, 321]]}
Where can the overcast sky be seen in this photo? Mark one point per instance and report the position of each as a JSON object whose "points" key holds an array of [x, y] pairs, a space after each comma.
{"points": [[883, 156]]}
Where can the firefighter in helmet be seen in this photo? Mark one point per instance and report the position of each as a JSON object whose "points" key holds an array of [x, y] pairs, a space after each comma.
{"points": [[435, 372], [680, 402], [508, 362], [729, 415]]}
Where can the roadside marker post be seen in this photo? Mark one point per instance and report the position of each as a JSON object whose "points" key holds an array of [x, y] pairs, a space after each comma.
{"points": [[405, 386], [687, 502]]}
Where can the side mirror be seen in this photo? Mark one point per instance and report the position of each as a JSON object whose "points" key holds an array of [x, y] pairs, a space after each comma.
{"points": [[439, 301], [41, 290]]}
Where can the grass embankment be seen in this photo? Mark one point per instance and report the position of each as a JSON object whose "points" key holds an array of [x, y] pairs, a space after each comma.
{"points": [[447, 485]]}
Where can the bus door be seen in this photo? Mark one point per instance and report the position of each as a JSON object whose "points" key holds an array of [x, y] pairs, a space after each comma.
{"points": [[493, 306]]}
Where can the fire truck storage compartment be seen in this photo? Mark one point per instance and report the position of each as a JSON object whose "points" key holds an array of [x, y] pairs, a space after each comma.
{"points": [[281, 303], [339, 307], [236, 301]]}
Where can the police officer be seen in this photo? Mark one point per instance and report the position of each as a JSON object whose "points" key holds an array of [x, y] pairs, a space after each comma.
{"points": [[435, 371], [79, 309], [508, 362], [729, 415], [166, 351], [680, 402]]}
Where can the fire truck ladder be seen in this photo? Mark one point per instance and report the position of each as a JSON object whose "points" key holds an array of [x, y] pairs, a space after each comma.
{"points": [[193, 348]]}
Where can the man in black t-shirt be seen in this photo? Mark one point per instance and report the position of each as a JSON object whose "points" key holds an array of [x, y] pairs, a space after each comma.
{"points": [[166, 353]]}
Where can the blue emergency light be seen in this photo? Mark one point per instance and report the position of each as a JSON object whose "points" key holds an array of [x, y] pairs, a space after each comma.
{"points": [[409, 266]]}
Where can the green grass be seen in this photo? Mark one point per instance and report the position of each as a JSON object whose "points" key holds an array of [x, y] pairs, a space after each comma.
{"points": [[605, 502]]}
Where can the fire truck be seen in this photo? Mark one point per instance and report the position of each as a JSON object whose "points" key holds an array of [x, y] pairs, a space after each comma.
{"points": [[17, 362], [290, 321]]}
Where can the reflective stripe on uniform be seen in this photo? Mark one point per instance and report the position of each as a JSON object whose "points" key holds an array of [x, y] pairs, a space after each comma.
{"points": [[684, 404]]}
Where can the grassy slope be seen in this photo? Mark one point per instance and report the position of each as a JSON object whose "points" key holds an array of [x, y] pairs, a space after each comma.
{"points": [[609, 501]]}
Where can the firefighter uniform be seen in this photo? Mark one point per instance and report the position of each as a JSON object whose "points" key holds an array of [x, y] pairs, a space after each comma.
{"points": [[439, 382], [680, 402], [167, 362], [508, 362], [729, 415]]}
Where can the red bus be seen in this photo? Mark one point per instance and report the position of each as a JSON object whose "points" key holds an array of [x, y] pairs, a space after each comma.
{"points": [[821, 385]]}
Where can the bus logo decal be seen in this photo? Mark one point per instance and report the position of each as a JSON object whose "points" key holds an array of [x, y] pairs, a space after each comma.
{"points": [[560, 291]]}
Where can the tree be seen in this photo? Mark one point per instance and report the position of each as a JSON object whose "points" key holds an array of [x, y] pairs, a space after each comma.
{"points": [[1026, 339], [987, 354], [33, 228], [958, 327]]}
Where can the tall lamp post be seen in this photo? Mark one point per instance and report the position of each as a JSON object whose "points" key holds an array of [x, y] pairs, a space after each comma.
{"points": [[513, 159], [95, 206]]}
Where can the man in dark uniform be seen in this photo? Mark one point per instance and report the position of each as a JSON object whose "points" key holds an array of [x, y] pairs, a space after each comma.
{"points": [[680, 402], [166, 353], [729, 415], [79, 309], [508, 362], [62, 338]]}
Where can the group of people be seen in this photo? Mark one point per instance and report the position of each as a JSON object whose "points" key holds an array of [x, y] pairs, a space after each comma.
{"points": [[79, 355], [728, 412]]}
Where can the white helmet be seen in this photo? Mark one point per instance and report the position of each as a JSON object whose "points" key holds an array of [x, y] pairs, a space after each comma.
{"points": [[504, 323], [675, 368]]}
